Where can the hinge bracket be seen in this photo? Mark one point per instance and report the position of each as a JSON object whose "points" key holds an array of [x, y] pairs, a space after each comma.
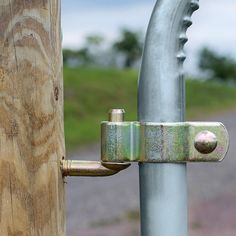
{"points": [[125, 142]]}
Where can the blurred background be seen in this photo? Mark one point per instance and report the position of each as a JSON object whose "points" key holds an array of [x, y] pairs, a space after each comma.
{"points": [[102, 48]]}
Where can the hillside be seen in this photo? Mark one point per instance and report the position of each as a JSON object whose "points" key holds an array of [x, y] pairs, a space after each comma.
{"points": [[90, 93]]}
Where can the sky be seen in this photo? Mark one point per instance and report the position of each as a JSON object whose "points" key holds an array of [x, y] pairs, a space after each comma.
{"points": [[214, 23]]}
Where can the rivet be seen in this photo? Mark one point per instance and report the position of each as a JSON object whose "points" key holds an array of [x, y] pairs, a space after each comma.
{"points": [[205, 142]]}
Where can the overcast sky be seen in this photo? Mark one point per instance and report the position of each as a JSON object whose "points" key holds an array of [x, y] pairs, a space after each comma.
{"points": [[214, 23]]}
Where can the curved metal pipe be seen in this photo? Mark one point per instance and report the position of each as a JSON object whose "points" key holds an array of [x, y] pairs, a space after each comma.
{"points": [[91, 168], [161, 83], [163, 187]]}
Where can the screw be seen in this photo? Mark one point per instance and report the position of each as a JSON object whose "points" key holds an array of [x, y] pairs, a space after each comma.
{"points": [[205, 142], [116, 115]]}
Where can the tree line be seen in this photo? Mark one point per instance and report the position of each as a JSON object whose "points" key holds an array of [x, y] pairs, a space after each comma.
{"points": [[126, 51]]}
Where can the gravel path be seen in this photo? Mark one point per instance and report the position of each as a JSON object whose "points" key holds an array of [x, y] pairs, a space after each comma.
{"points": [[98, 200]]}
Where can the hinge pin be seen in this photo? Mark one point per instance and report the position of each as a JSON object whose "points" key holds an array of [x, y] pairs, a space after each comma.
{"points": [[116, 115]]}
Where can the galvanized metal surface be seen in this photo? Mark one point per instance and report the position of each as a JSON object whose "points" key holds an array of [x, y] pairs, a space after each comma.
{"points": [[120, 141], [163, 142], [91, 168], [163, 188]]}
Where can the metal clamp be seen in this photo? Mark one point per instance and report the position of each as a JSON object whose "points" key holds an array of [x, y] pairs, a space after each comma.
{"points": [[163, 142]]}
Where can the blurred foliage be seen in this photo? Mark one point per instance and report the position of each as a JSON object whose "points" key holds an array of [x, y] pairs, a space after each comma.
{"points": [[84, 55], [90, 93], [94, 40], [81, 56], [218, 67], [124, 52], [130, 45]]}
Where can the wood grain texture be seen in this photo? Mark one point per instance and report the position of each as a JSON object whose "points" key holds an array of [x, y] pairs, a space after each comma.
{"points": [[31, 119]]}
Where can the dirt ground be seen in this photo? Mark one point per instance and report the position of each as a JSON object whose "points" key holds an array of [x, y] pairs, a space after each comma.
{"points": [[99, 206]]}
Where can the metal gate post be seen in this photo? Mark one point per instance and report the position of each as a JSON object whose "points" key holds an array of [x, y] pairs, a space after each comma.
{"points": [[161, 142], [163, 187]]}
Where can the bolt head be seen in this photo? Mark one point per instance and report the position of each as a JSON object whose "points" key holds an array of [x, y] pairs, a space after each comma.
{"points": [[205, 142]]}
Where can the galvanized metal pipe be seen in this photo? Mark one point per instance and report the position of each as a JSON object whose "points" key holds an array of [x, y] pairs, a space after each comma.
{"points": [[163, 187]]}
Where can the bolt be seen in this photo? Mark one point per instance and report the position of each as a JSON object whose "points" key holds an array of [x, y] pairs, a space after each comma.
{"points": [[116, 115], [205, 142]]}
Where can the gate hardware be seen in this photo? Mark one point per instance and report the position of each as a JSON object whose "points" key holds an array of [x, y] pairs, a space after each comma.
{"points": [[161, 98], [95, 168], [124, 142], [163, 142], [91, 168]]}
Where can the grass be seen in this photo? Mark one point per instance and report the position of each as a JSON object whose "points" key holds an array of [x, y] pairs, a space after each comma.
{"points": [[90, 93], [204, 98]]}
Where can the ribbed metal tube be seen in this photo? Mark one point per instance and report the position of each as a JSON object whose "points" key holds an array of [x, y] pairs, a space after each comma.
{"points": [[163, 187]]}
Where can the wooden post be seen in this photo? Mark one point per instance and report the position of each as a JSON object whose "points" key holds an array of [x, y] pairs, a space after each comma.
{"points": [[31, 119]]}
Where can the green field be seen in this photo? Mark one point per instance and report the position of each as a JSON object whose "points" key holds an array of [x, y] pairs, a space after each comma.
{"points": [[90, 93]]}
